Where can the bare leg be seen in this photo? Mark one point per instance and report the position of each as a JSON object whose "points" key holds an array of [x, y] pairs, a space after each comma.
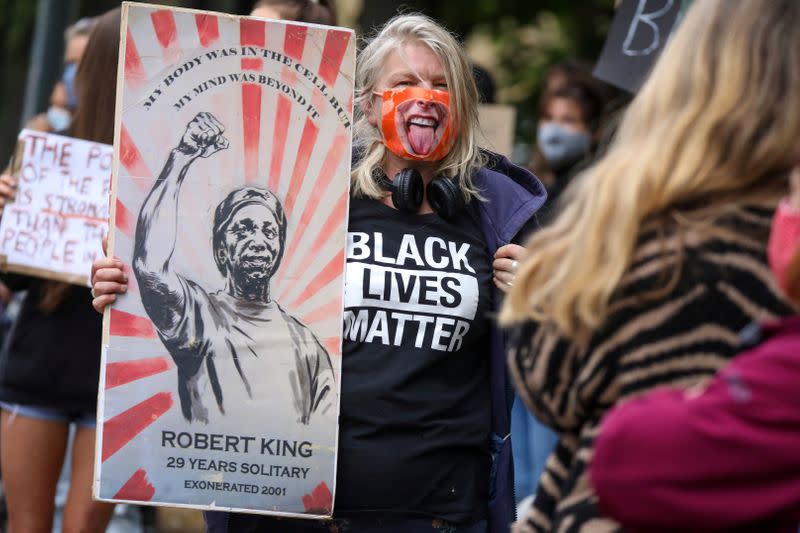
{"points": [[31, 456], [82, 514]]}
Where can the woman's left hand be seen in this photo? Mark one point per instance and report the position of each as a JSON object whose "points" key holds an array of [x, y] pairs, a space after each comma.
{"points": [[506, 260]]}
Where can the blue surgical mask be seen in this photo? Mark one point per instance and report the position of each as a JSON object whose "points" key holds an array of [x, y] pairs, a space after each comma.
{"points": [[70, 69], [560, 146], [59, 118]]}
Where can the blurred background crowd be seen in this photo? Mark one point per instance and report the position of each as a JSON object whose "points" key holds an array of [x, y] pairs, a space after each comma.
{"points": [[515, 42]]}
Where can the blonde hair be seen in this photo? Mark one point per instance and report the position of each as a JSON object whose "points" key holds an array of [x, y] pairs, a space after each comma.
{"points": [[716, 123], [464, 158]]}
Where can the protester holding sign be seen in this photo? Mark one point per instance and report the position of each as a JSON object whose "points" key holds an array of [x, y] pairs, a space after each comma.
{"points": [[424, 411], [51, 364], [64, 99], [659, 260]]}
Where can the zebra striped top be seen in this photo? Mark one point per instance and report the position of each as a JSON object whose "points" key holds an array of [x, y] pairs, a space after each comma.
{"points": [[713, 280]]}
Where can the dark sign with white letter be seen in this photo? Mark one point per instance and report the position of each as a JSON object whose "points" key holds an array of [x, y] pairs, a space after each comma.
{"points": [[639, 32]]}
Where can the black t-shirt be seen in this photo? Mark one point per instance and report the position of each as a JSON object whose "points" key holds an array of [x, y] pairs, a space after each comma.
{"points": [[415, 406], [52, 359]]}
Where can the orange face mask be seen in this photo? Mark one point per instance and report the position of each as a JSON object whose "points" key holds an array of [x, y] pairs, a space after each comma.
{"points": [[416, 123]]}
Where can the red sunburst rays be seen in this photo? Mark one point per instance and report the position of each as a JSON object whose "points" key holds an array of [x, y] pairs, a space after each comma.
{"points": [[329, 166], [137, 488], [333, 222], [332, 270], [323, 312], [251, 122], [283, 113], [207, 29], [334, 49], [131, 159], [333, 344], [121, 429], [124, 220], [336, 42], [129, 325], [124, 372], [307, 141], [167, 34], [251, 33], [294, 43], [134, 71]]}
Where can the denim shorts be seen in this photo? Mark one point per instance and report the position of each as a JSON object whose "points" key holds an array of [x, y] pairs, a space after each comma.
{"points": [[83, 419]]}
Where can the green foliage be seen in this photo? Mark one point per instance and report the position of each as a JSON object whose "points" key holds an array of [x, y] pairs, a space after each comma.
{"points": [[518, 40], [16, 29]]}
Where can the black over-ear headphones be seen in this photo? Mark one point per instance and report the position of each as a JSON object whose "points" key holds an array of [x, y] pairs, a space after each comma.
{"points": [[444, 194]]}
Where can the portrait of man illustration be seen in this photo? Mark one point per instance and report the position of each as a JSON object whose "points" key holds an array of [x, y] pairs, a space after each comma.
{"points": [[234, 344]]}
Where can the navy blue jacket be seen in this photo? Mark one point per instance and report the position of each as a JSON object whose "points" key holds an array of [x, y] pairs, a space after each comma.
{"points": [[513, 195]]}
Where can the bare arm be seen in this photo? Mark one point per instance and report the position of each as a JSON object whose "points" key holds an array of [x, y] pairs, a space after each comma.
{"points": [[156, 229]]}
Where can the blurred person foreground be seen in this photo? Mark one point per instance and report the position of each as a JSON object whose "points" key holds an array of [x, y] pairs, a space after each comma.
{"points": [[613, 298], [735, 437]]}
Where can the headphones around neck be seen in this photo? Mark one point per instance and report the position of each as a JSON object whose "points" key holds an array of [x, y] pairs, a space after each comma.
{"points": [[444, 194]]}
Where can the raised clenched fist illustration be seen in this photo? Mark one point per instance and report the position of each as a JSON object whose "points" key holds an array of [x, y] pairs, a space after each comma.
{"points": [[203, 136]]}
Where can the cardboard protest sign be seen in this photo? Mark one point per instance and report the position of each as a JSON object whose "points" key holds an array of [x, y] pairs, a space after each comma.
{"points": [[55, 225], [497, 127], [639, 32], [220, 383]]}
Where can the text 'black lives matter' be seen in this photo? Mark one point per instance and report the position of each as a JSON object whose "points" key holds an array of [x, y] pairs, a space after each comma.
{"points": [[423, 294]]}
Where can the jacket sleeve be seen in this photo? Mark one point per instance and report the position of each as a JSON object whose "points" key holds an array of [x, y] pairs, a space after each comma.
{"points": [[526, 231], [721, 458]]}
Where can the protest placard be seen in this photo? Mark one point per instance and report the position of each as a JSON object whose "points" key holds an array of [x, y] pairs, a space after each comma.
{"points": [[497, 127], [55, 226], [220, 373], [640, 30]]}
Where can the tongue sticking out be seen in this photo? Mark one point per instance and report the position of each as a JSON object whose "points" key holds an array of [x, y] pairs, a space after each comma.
{"points": [[421, 138]]}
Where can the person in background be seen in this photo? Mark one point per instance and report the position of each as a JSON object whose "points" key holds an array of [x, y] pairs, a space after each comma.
{"points": [[570, 115], [569, 128], [64, 99], [51, 364], [733, 442], [424, 419], [659, 259], [485, 83], [315, 12], [559, 74]]}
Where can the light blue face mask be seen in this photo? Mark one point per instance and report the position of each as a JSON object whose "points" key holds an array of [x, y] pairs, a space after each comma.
{"points": [[59, 118], [560, 146], [70, 69]]}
